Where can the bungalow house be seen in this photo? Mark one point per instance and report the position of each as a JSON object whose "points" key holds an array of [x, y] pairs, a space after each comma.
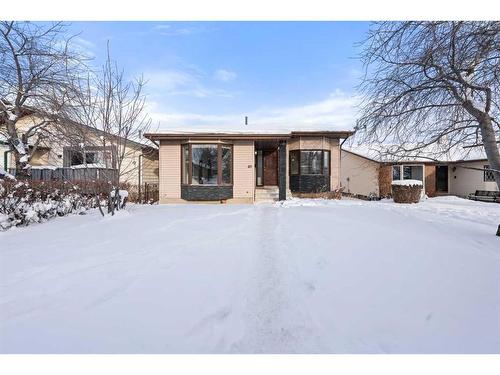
{"points": [[247, 167], [365, 173], [74, 147]]}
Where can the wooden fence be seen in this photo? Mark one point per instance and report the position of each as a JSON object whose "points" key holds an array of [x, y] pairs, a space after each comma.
{"points": [[71, 174]]}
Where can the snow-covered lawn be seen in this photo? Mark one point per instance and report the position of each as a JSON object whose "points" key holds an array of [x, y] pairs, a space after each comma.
{"points": [[307, 276]]}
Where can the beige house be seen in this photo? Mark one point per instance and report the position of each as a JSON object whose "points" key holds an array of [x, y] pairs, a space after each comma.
{"points": [[76, 146], [247, 167], [369, 176]]}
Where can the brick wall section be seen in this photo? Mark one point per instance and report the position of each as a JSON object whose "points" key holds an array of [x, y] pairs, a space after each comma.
{"points": [[385, 180], [170, 170], [430, 180]]}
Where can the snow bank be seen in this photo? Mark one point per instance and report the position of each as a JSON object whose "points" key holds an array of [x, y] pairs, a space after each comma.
{"points": [[407, 182]]}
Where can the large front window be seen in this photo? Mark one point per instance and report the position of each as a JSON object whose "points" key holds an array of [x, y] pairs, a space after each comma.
{"points": [[206, 164], [310, 162]]}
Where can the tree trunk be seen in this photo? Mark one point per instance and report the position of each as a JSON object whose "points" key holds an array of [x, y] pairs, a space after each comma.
{"points": [[21, 172], [490, 146]]}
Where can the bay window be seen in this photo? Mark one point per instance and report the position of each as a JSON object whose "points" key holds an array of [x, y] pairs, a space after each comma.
{"points": [[310, 162], [207, 164]]}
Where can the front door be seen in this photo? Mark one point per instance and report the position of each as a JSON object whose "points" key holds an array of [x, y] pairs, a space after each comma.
{"points": [[442, 178], [270, 167]]}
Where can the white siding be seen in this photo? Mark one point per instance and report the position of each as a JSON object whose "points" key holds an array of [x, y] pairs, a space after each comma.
{"points": [[170, 171], [243, 170], [464, 181], [359, 175]]}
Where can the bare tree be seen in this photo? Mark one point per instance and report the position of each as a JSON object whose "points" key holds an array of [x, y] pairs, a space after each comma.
{"points": [[36, 66], [432, 86], [115, 108]]}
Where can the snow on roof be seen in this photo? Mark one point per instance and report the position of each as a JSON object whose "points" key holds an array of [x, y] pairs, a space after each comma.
{"points": [[394, 153]]}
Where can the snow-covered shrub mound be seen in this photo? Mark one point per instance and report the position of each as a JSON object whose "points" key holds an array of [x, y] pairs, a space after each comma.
{"points": [[26, 202], [406, 191], [407, 182]]}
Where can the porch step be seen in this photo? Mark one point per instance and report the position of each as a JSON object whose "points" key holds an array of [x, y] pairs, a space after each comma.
{"points": [[269, 194], [266, 194]]}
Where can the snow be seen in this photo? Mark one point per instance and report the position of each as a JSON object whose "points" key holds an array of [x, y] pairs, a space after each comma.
{"points": [[302, 276], [407, 182], [435, 152]]}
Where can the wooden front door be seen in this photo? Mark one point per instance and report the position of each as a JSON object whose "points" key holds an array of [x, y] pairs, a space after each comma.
{"points": [[270, 167]]}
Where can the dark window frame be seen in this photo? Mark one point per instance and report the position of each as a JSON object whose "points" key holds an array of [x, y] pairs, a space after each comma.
{"points": [[299, 152], [219, 163], [69, 150], [488, 176]]}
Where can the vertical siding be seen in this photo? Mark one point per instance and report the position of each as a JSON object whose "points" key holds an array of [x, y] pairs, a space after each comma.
{"points": [[335, 164], [170, 170], [243, 170]]}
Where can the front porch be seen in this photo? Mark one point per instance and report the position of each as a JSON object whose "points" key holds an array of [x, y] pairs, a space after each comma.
{"points": [[270, 170]]}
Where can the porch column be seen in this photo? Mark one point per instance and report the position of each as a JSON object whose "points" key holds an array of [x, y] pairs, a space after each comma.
{"points": [[282, 170]]}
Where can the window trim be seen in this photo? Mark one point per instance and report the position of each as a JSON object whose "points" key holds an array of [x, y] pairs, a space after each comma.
{"points": [[219, 163], [299, 152]]}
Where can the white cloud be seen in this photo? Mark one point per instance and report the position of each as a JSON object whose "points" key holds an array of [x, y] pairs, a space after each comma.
{"points": [[172, 30], [178, 82], [336, 112], [224, 75]]}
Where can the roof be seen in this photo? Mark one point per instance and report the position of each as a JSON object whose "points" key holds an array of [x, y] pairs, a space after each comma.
{"points": [[92, 129], [433, 153], [247, 135]]}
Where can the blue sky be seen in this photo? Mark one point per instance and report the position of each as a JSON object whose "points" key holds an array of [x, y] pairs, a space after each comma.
{"points": [[206, 75]]}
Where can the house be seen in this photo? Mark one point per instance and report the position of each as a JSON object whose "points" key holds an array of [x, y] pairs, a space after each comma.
{"points": [[74, 147], [244, 167], [365, 173]]}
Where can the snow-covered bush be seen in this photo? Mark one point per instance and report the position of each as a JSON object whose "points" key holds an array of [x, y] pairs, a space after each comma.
{"points": [[26, 202], [406, 191]]}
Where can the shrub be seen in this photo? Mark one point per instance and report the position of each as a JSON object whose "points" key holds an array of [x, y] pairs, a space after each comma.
{"points": [[406, 191], [26, 202]]}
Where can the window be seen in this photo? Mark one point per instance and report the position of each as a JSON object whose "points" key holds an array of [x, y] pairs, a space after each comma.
{"points": [[409, 172], [396, 172], [227, 162], [185, 164], [326, 163], [310, 162], [207, 164], [76, 158], [204, 164], [90, 157], [488, 175]]}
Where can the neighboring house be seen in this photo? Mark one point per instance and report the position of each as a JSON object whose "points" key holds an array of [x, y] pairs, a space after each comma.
{"points": [[76, 146], [247, 167], [364, 173]]}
